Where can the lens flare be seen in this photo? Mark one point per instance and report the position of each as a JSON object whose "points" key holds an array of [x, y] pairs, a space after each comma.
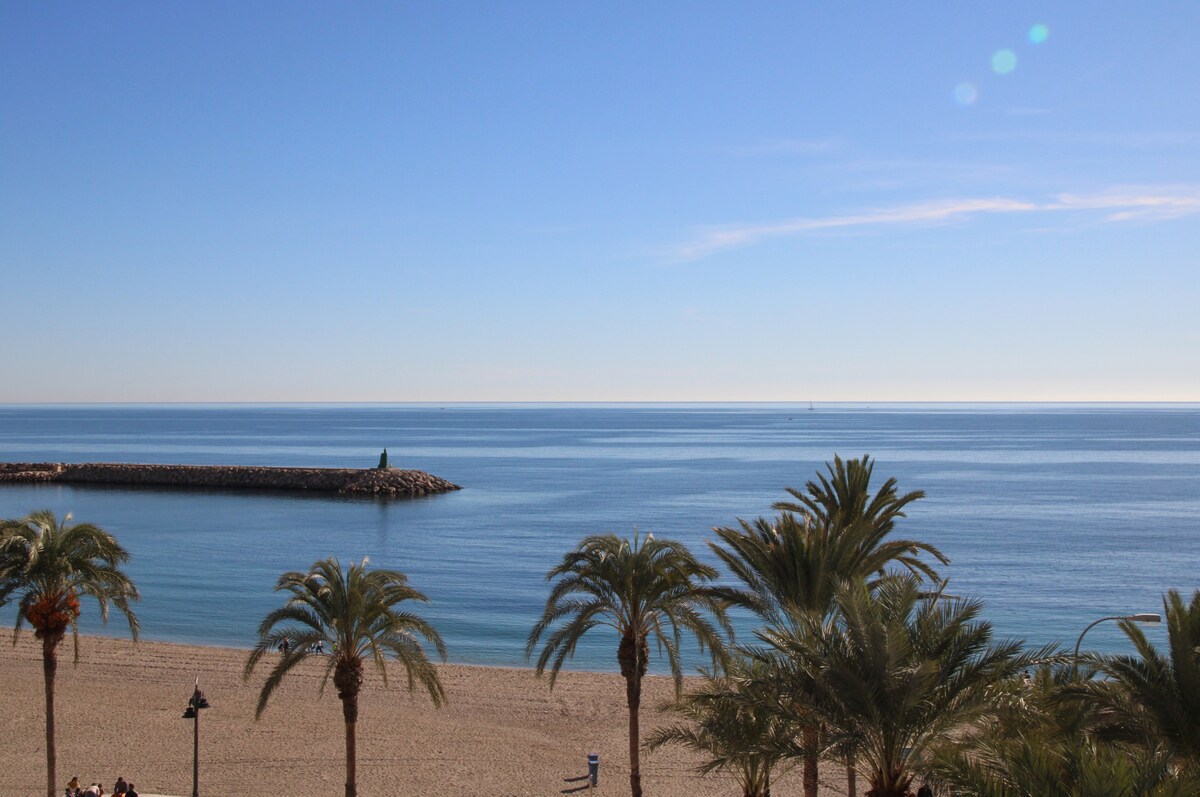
{"points": [[1004, 62], [966, 93], [1038, 34]]}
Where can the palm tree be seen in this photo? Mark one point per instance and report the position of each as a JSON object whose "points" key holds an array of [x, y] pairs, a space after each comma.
{"points": [[791, 565], [738, 723], [1048, 766], [354, 613], [1154, 698], [1041, 743], [896, 673], [51, 564], [639, 589]]}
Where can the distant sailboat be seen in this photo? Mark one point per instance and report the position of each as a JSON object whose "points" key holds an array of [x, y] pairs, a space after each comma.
{"points": [[810, 406]]}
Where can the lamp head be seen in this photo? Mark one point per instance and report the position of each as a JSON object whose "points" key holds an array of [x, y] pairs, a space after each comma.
{"points": [[196, 702], [1146, 617]]}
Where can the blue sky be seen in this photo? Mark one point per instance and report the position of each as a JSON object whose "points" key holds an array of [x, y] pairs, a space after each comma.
{"points": [[568, 201]]}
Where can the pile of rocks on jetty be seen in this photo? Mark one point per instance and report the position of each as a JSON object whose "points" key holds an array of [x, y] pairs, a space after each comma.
{"points": [[381, 482]]}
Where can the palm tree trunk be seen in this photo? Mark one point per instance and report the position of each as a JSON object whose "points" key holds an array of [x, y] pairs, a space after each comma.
{"points": [[892, 782], [851, 779], [810, 740], [350, 714], [757, 779], [633, 696], [632, 654], [348, 678], [888, 791], [49, 668]]}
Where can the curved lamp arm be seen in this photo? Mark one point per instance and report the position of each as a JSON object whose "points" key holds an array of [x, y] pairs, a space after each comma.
{"points": [[1089, 628], [1137, 618]]}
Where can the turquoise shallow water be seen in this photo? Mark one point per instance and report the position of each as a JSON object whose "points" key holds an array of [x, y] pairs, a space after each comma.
{"points": [[1053, 515]]}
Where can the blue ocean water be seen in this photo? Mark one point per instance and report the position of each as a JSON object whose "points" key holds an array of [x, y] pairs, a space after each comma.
{"points": [[1053, 515]]}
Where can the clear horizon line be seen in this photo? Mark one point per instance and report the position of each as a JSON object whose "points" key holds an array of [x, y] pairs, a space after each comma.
{"points": [[799, 402]]}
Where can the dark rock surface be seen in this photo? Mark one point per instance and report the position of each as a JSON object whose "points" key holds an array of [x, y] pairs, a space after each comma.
{"points": [[388, 483]]}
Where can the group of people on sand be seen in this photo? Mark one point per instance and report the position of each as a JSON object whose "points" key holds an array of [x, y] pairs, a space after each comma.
{"points": [[317, 647], [121, 789]]}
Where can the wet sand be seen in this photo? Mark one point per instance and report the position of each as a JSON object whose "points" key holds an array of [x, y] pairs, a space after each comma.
{"points": [[503, 732]]}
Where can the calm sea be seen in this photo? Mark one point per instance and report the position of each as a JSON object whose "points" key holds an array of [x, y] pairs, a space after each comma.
{"points": [[1053, 515]]}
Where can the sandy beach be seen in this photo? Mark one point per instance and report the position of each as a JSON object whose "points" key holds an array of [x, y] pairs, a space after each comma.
{"points": [[503, 732]]}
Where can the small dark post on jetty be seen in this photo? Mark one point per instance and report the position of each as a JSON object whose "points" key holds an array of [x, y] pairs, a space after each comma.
{"points": [[192, 712]]}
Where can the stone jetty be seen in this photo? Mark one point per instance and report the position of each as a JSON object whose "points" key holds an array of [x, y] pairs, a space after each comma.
{"points": [[378, 482]]}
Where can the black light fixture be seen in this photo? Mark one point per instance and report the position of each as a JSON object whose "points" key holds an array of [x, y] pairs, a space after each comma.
{"points": [[195, 703]]}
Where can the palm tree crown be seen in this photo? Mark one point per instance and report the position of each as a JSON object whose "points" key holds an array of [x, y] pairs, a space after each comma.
{"points": [[50, 564], [842, 507], [792, 564], [639, 589], [354, 613], [844, 497]]}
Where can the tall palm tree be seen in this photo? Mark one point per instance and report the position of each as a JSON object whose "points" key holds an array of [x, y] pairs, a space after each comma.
{"points": [[50, 565], [739, 723], [355, 613], [1154, 697], [639, 589], [898, 672], [791, 565]]}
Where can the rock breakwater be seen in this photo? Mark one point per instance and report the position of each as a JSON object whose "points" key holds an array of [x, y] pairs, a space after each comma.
{"points": [[383, 483]]}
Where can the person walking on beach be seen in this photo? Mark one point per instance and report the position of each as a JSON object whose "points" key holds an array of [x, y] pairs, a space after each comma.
{"points": [[120, 786], [73, 786], [131, 792]]}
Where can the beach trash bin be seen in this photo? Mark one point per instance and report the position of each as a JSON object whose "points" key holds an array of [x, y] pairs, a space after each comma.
{"points": [[594, 768]]}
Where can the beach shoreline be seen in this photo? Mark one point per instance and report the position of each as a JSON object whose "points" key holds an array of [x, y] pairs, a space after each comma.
{"points": [[502, 732]]}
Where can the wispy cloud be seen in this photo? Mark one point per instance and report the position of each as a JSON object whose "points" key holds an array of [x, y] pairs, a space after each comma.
{"points": [[1114, 205], [1133, 203]]}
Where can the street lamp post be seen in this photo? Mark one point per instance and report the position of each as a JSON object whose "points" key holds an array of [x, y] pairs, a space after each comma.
{"points": [[192, 712], [1145, 617]]}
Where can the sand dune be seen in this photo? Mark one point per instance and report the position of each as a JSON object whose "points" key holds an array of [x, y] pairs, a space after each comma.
{"points": [[502, 733]]}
